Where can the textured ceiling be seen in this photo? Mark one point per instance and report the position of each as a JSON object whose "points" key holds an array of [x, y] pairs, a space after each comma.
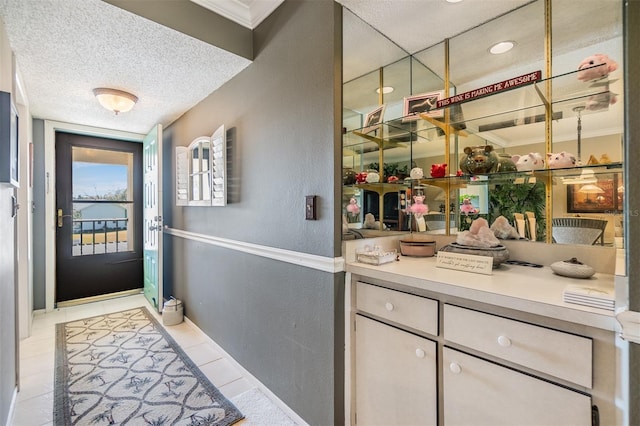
{"points": [[66, 48]]}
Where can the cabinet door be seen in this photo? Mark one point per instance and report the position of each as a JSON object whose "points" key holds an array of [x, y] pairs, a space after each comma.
{"points": [[478, 392], [395, 376]]}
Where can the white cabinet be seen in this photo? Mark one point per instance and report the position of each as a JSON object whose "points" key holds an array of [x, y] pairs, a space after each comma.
{"points": [[478, 392], [477, 367], [395, 376]]}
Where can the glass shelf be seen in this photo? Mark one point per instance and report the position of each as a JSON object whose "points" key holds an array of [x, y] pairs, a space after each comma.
{"points": [[380, 188], [519, 106]]}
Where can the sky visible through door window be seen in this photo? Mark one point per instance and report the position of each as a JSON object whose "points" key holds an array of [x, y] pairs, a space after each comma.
{"points": [[99, 181]]}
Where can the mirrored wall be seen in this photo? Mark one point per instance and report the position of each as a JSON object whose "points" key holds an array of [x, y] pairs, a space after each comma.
{"points": [[577, 117]]}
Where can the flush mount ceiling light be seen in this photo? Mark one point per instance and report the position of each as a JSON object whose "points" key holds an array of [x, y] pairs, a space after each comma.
{"points": [[453, 1], [502, 47], [385, 90], [115, 100]]}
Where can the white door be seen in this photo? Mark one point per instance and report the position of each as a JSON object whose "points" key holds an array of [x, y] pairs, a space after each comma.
{"points": [[478, 392], [396, 379], [152, 197]]}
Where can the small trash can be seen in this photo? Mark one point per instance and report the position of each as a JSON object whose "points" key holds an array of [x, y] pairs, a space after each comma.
{"points": [[172, 312]]}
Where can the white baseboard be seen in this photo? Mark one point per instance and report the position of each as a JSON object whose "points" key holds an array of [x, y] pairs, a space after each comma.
{"points": [[251, 378]]}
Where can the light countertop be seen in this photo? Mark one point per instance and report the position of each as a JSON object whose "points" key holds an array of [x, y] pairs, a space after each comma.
{"points": [[524, 288]]}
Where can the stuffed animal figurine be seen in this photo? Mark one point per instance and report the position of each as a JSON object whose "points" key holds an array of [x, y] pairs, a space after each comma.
{"points": [[416, 173], [561, 160], [372, 177], [361, 177], [483, 159], [467, 208], [353, 208], [438, 170], [531, 161], [595, 67], [418, 207]]}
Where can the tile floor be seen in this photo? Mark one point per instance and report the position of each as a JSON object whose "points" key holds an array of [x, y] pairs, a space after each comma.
{"points": [[34, 406]]}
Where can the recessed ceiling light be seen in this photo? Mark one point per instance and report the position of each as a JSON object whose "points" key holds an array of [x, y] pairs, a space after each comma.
{"points": [[502, 47], [454, 1], [385, 90]]}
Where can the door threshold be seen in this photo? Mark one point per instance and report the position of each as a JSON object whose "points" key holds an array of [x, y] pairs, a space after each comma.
{"points": [[99, 298]]}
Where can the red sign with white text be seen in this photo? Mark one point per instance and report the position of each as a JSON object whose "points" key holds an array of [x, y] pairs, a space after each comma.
{"points": [[502, 86]]}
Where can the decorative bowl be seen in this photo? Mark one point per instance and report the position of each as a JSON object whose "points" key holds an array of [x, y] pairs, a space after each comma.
{"points": [[572, 268], [499, 253], [417, 246]]}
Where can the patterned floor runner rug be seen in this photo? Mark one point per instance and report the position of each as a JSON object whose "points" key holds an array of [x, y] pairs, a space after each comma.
{"points": [[124, 368]]}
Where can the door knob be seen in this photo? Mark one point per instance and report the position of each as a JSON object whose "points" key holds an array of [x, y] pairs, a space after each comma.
{"points": [[455, 368]]}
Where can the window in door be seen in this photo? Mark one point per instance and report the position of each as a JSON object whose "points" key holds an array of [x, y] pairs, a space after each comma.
{"points": [[102, 186]]}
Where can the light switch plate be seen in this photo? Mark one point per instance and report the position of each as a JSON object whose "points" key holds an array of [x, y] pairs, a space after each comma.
{"points": [[310, 207]]}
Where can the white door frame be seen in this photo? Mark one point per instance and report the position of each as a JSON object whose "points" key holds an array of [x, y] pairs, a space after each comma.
{"points": [[50, 129]]}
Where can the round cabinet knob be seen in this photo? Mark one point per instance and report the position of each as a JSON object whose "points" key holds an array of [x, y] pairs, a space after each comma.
{"points": [[504, 341], [455, 368], [420, 353], [388, 306]]}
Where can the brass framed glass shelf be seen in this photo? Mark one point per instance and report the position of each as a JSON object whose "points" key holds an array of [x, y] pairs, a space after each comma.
{"points": [[578, 174], [519, 106], [380, 188]]}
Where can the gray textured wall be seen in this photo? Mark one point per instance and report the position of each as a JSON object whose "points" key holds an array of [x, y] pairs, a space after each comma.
{"points": [[39, 249], [7, 303], [282, 108], [282, 322]]}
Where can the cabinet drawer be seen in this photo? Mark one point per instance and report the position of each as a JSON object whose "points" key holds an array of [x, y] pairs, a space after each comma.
{"points": [[478, 392], [553, 352], [406, 309]]}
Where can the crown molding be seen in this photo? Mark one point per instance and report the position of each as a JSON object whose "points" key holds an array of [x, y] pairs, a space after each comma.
{"points": [[248, 13]]}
